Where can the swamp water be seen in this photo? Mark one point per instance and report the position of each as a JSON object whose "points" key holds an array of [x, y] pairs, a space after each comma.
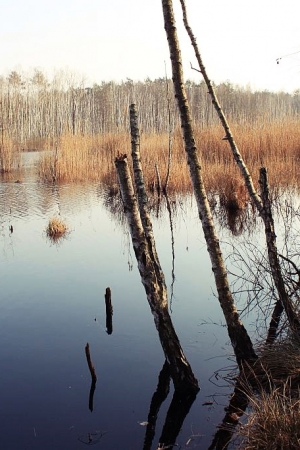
{"points": [[52, 304]]}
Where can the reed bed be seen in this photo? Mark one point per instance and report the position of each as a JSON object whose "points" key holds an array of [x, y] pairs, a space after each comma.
{"points": [[9, 156], [275, 146], [81, 158]]}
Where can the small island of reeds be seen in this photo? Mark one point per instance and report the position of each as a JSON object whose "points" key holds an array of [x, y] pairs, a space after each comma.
{"points": [[56, 229]]}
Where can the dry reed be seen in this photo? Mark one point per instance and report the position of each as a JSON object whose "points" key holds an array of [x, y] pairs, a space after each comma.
{"points": [[275, 146], [9, 156], [273, 423], [274, 406], [56, 229]]}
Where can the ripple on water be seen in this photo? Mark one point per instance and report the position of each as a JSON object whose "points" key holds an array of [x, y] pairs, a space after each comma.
{"points": [[27, 197]]}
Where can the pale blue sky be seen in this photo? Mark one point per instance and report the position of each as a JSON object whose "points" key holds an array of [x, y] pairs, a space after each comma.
{"points": [[117, 39]]}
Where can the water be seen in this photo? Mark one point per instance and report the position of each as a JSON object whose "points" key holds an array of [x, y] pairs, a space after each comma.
{"points": [[52, 304]]}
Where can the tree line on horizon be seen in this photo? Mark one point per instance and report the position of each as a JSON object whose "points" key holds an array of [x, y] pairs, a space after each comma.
{"points": [[34, 108]]}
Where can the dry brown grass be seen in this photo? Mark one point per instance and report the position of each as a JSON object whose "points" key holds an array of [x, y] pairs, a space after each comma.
{"points": [[274, 406], [273, 423], [56, 228], [9, 156], [82, 158], [275, 145]]}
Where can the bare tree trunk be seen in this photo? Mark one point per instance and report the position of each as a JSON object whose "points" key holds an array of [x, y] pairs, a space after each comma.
{"points": [[158, 189], [273, 253], [263, 205], [228, 135], [141, 192], [181, 372], [240, 340], [165, 187]]}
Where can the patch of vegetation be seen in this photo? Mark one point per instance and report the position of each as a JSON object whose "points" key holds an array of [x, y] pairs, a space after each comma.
{"points": [[78, 158], [56, 228], [273, 423], [274, 408]]}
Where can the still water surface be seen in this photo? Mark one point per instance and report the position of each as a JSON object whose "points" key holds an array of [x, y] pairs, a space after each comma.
{"points": [[52, 304]]}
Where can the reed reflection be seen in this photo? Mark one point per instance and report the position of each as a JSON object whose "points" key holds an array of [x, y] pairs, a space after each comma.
{"points": [[237, 220]]}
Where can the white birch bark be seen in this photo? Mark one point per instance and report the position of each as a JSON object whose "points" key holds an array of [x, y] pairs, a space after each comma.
{"points": [[181, 372], [141, 191], [262, 204], [240, 340]]}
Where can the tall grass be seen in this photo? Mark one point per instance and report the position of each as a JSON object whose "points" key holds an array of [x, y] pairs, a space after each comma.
{"points": [[81, 158], [273, 420], [276, 146], [9, 156], [273, 423]]}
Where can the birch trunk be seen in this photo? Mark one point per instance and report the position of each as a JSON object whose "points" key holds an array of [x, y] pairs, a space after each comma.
{"points": [[262, 206], [181, 372], [240, 340], [273, 253], [228, 134], [142, 195]]}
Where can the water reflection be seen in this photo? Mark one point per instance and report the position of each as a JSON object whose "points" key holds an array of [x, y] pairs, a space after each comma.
{"points": [[237, 220], [169, 209], [49, 301], [159, 396], [234, 411]]}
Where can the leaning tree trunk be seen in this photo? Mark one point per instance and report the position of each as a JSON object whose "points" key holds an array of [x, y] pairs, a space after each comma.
{"points": [[262, 204], [141, 192], [181, 372], [240, 340]]}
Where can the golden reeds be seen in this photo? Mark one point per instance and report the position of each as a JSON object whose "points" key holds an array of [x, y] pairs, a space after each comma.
{"points": [[8, 153], [56, 228], [275, 146]]}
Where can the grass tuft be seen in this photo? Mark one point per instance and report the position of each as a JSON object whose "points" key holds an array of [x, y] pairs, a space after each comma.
{"points": [[273, 422], [274, 404], [56, 229]]}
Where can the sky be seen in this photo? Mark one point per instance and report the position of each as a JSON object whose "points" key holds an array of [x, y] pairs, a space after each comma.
{"points": [[105, 40]]}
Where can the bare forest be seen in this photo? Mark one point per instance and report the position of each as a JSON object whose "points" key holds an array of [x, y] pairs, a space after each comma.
{"points": [[34, 108]]}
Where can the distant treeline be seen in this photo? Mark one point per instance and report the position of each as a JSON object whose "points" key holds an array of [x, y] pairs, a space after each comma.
{"points": [[33, 108]]}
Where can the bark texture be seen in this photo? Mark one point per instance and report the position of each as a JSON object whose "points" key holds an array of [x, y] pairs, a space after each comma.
{"points": [[240, 340], [262, 204], [228, 134], [273, 253], [181, 372], [142, 194]]}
